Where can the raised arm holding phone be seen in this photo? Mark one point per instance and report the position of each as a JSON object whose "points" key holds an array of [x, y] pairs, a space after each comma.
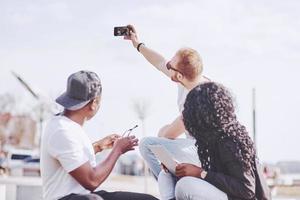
{"points": [[185, 69]]}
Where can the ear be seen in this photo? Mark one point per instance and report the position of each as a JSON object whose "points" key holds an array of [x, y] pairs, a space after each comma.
{"points": [[179, 76], [94, 105]]}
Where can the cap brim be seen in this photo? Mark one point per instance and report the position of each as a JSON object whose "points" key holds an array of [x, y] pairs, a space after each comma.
{"points": [[69, 103]]}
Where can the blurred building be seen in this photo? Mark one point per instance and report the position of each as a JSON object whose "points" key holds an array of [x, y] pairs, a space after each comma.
{"points": [[19, 155], [18, 131], [289, 173]]}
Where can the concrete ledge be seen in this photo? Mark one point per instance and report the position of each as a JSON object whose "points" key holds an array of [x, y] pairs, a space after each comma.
{"points": [[22, 181]]}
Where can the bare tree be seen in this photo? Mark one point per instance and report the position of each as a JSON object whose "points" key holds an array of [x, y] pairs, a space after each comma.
{"points": [[141, 107]]}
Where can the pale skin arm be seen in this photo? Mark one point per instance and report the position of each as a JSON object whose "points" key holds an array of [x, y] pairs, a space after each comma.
{"points": [[173, 130], [153, 57], [91, 177]]}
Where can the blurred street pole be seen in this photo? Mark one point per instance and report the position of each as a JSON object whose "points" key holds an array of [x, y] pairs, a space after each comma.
{"points": [[145, 164], [254, 117]]}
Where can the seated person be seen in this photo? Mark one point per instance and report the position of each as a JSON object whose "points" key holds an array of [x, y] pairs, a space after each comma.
{"points": [[226, 152], [68, 165], [185, 70]]}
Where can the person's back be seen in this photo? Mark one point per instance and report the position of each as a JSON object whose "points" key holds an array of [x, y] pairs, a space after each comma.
{"points": [[68, 165], [228, 158], [62, 142]]}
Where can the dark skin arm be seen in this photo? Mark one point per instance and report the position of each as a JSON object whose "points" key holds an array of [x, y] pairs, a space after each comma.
{"points": [[185, 169], [91, 177], [105, 143], [236, 182]]}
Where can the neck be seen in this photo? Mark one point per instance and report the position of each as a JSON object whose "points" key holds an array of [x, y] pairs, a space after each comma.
{"points": [[75, 116], [191, 84], [199, 80]]}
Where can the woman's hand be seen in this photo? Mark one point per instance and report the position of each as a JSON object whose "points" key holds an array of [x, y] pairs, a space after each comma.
{"points": [[185, 169], [105, 143]]}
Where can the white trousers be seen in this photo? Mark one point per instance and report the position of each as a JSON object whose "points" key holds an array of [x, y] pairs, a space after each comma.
{"points": [[187, 188]]}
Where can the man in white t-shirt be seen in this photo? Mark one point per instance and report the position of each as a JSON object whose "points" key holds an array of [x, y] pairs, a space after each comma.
{"points": [[68, 166], [185, 69]]}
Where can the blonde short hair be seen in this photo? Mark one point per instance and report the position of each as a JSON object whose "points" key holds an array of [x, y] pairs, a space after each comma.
{"points": [[190, 63]]}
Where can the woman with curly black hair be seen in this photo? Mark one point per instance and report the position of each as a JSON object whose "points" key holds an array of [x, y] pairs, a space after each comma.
{"points": [[226, 151]]}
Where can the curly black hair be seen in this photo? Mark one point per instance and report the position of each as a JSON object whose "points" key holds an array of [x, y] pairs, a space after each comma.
{"points": [[209, 116]]}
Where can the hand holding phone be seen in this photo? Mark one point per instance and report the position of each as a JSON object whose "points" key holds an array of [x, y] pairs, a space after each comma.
{"points": [[129, 33]]}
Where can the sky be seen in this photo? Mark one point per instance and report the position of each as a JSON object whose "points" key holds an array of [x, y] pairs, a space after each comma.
{"points": [[243, 44]]}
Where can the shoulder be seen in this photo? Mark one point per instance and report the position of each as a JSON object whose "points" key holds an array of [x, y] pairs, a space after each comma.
{"points": [[59, 128], [51, 126], [181, 88], [62, 138], [182, 92]]}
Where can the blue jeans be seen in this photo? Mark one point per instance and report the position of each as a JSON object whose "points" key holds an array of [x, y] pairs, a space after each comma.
{"points": [[183, 150], [187, 188]]}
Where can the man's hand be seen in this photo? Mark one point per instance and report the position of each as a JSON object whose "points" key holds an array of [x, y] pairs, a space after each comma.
{"points": [[132, 36], [105, 143], [124, 144], [185, 169]]}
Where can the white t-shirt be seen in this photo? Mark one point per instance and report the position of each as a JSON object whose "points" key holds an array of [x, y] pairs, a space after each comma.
{"points": [[65, 147], [182, 91]]}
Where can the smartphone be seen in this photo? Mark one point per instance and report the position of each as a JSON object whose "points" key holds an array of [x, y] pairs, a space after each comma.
{"points": [[121, 31]]}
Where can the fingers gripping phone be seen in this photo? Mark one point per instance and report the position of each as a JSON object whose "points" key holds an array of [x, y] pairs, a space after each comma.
{"points": [[121, 31]]}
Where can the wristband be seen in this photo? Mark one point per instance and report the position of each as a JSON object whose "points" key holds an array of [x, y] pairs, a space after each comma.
{"points": [[139, 45]]}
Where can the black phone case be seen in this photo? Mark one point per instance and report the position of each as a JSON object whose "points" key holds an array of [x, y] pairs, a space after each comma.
{"points": [[121, 31]]}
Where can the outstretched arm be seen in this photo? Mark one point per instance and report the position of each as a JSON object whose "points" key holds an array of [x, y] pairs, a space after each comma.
{"points": [[151, 56]]}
